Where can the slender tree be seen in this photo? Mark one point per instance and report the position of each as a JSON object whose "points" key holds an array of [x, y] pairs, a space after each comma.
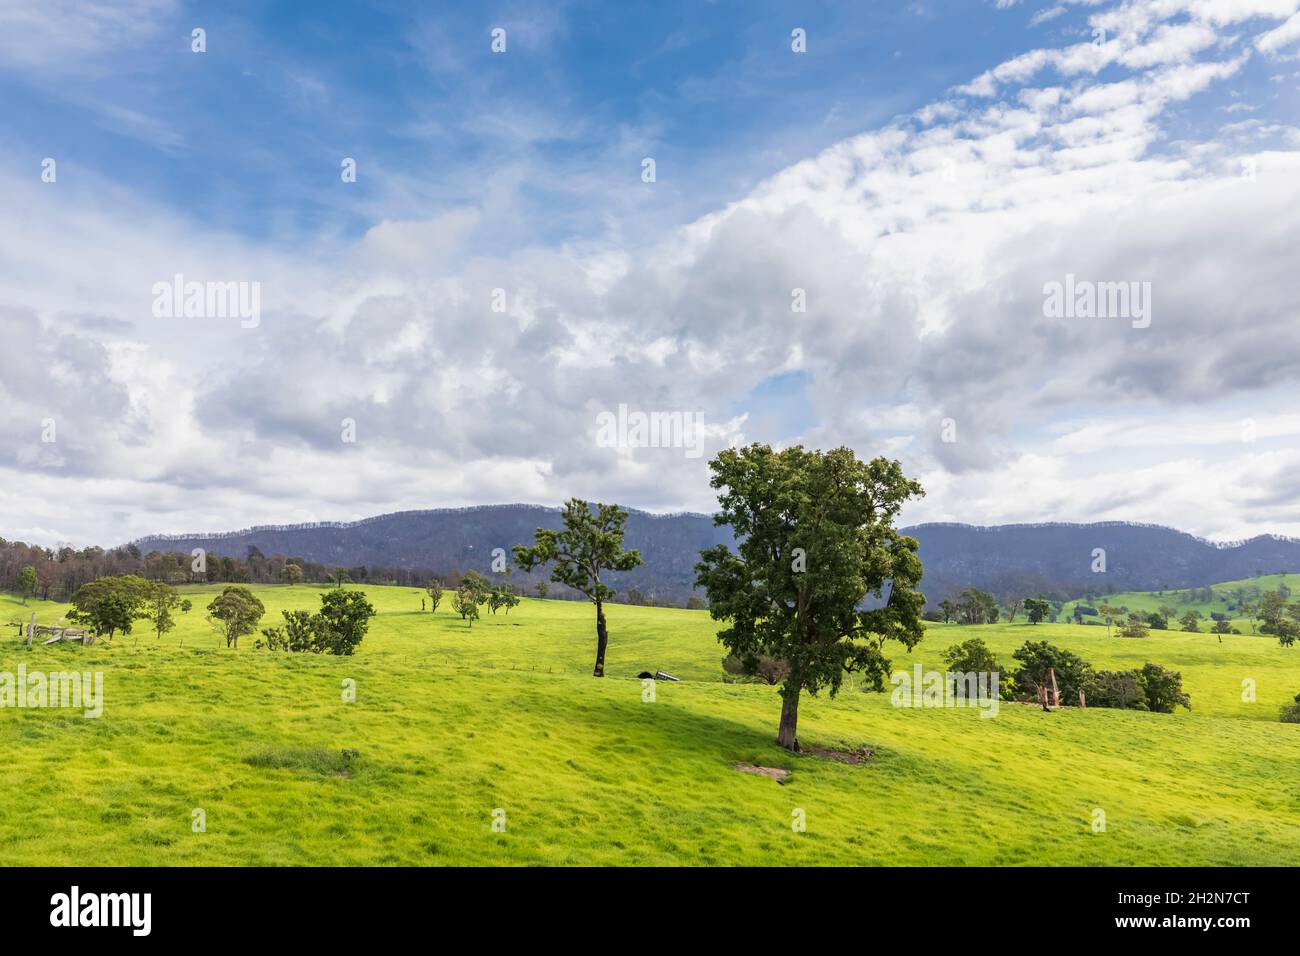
{"points": [[27, 582], [948, 609], [589, 545], [465, 602], [161, 599]]}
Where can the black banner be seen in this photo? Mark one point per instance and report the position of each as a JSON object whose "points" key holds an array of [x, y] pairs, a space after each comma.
{"points": [[299, 905]]}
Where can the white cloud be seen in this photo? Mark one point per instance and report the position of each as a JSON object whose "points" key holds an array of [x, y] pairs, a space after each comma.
{"points": [[1283, 36], [55, 36], [922, 248]]}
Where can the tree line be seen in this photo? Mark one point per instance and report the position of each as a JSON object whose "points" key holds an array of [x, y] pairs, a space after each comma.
{"points": [[1150, 687], [112, 605]]}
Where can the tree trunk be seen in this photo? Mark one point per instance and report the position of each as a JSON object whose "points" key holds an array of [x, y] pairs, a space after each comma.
{"points": [[602, 638], [786, 736]]}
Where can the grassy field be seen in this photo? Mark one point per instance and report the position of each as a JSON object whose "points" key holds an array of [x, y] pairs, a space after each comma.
{"points": [[453, 723], [1224, 602]]}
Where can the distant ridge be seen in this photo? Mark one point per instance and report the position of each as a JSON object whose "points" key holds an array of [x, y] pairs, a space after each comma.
{"points": [[359, 522], [1230, 543], [1051, 558]]}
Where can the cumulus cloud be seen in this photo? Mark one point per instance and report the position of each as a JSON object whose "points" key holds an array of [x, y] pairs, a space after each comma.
{"points": [[901, 272]]}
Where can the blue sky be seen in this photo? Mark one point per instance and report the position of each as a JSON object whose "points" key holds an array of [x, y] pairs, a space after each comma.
{"points": [[248, 136], [917, 175]]}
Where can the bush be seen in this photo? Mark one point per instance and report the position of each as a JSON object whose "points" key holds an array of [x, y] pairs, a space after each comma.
{"points": [[337, 628], [1149, 687], [1163, 689], [1117, 689], [1291, 712], [974, 656], [1037, 658], [1136, 626]]}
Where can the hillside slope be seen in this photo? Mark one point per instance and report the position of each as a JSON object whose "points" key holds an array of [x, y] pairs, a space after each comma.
{"points": [[1053, 559]]}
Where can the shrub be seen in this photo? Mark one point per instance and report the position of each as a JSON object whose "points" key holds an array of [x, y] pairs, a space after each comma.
{"points": [[1136, 626], [974, 656], [1291, 712], [337, 628], [1118, 689], [1163, 689], [1037, 658], [1149, 687]]}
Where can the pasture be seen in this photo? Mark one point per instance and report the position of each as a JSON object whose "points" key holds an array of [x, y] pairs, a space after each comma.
{"points": [[1224, 601], [452, 723]]}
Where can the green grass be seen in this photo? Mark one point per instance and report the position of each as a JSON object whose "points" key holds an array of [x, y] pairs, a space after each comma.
{"points": [[1225, 600], [451, 723]]}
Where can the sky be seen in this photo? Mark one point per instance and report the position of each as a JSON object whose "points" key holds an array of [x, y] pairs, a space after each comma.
{"points": [[822, 223]]}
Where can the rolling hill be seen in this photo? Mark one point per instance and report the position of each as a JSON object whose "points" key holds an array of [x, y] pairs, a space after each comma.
{"points": [[1052, 559]]}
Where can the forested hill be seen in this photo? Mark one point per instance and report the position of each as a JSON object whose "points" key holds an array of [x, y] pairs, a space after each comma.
{"points": [[462, 539], [1057, 560], [1008, 560]]}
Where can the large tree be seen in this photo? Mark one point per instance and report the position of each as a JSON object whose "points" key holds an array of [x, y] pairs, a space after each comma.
{"points": [[110, 604], [815, 537], [589, 545]]}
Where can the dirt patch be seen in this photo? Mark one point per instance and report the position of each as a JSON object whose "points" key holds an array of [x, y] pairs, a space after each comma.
{"points": [[861, 755], [775, 773]]}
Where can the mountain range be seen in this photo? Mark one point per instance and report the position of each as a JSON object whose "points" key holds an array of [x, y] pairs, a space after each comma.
{"points": [[1053, 559]]}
